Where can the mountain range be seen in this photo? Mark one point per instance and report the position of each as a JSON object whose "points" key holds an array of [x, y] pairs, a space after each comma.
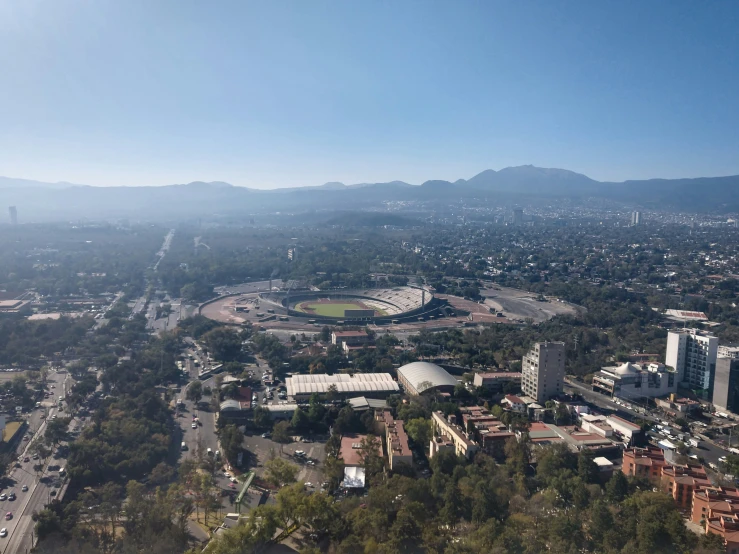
{"points": [[37, 200]]}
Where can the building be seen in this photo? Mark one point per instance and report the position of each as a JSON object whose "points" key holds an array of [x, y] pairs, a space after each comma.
{"points": [[636, 218], [13, 215], [677, 406], [350, 451], [692, 353], [514, 403], [495, 381], [716, 509], [351, 455], [233, 410], [726, 384], [396, 440], [350, 338], [487, 430], [634, 381], [677, 480], [279, 412], [643, 462], [725, 351], [421, 377], [680, 481], [517, 216], [624, 429], [362, 404], [450, 436], [543, 370], [371, 385]]}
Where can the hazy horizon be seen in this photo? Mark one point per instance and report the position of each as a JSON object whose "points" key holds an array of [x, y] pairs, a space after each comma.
{"points": [[275, 95]]}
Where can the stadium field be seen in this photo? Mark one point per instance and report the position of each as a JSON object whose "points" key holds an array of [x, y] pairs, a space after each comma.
{"points": [[330, 308]]}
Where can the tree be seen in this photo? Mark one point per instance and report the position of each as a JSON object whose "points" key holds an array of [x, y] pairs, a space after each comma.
{"points": [[325, 335], [300, 420], [420, 431], [332, 393], [56, 430], [617, 487], [224, 343], [195, 391], [278, 472], [231, 442], [587, 469], [280, 432], [262, 418]]}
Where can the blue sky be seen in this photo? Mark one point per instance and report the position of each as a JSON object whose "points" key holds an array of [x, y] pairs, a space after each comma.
{"points": [[279, 93]]}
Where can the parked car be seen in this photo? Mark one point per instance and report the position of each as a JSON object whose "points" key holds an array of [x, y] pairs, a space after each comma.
{"points": [[3, 532]]}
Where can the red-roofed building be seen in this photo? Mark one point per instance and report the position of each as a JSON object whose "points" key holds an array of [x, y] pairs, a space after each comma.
{"points": [[644, 462], [680, 481], [514, 403], [351, 449]]}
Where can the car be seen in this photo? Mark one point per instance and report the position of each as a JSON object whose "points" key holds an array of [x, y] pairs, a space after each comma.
{"points": [[311, 463], [9, 515], [3, 496], [233, 479], [226, 474], [266, 435], [309, 485], [300, 453], [11, 496], [26, 459], [35, 456], [194, 425], [3, 532], [24, 488], [52, 493]]}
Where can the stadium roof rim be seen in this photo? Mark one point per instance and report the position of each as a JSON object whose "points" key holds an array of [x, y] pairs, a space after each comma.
{"points": [[418, 372]]}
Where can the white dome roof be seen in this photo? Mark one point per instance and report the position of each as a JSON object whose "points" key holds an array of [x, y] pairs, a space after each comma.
{"points": [[627, 369], [431, 375]]}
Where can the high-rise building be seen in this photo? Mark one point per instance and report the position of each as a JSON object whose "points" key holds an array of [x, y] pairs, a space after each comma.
{"points": [[636, 218], [543, 370], [13, 215], [517, 216], [726, 384], [693, 355]]}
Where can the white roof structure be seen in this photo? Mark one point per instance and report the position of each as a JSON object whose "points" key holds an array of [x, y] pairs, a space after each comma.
{"points": [[416, 373], [353, 478], [359, 382]]}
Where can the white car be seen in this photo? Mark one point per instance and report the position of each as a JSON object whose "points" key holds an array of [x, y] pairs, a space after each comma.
{"points": [[226, 474], [309, 485], [233, 479], [3, 532]]}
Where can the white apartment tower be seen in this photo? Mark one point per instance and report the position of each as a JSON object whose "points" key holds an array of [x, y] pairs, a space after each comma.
{"points": [[543, 370], [693, 355]]}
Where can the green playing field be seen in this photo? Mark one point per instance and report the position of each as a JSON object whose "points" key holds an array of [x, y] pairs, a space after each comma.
{"points": [[326, 309]]}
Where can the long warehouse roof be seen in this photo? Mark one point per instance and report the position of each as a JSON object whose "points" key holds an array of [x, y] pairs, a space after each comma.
{"points": [[360, 382]]}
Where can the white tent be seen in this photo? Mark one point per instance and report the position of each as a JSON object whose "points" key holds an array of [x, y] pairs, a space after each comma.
{"points": [[353, 478]]}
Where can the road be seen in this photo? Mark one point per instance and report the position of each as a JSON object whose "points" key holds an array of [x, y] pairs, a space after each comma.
{"points": [[39, 493]]}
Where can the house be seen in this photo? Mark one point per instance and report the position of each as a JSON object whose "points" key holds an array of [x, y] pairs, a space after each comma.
{"points": [[514, 403]]}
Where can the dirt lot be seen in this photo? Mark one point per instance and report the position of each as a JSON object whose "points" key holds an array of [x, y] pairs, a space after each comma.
{"points": [[518, 304]]}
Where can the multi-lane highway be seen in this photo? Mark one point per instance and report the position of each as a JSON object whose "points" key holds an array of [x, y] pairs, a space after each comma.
{"points": [[42, 486]]}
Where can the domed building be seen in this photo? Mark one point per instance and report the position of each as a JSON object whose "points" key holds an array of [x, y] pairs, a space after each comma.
{"points": [[423, 377]]}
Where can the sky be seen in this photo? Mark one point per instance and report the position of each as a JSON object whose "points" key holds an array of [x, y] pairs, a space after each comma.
{"points": [[293, 93]]}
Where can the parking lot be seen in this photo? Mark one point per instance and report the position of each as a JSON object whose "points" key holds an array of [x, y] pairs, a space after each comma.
{"points": [[263, 448]]}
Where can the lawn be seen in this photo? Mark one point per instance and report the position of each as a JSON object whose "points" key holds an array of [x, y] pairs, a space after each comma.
{"points": [[328, 309]]}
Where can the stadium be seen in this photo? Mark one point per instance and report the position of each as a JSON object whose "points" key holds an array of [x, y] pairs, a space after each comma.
{"points": [[382, 305]]}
